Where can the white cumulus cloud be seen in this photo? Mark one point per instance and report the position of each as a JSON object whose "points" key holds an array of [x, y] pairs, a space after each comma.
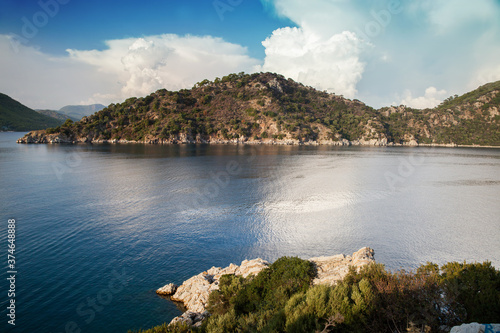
{"points": [[431, 98], [143, 65], [331, 64]]}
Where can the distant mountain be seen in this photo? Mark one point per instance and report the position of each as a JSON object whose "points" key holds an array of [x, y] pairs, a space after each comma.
{"points": [[57, 115], [267, 108], [73, 112], [76, 112], [15, 116]]}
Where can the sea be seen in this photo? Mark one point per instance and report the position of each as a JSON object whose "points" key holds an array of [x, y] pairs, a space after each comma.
{"points": [[96, 229]]}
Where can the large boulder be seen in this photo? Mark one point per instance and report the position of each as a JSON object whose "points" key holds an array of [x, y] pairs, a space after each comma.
{"points": [[330, 270], [190, 318]]}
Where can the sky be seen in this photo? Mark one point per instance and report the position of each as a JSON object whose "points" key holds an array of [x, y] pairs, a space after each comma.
{"points": [[382, 52]]}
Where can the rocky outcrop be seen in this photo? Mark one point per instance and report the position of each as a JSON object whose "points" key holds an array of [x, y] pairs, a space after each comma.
{"points": [[43, 137], [476, 328], [195, 291], [168, 289], [190, 318], [330, 270]]}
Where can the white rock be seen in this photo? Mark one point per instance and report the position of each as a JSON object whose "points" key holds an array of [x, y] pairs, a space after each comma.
{"points": [[194, 292], [476, 328], [190, 318], [168, 289], [330, 270]]}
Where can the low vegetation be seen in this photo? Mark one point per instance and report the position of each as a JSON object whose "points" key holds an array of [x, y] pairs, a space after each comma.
{"points": [[281, 299]]}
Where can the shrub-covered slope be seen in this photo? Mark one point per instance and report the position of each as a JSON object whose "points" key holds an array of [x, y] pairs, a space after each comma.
{"points": [[470, 119], [267, 107]]}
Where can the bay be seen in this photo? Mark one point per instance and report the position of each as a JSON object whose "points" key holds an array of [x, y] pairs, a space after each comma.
{"points": [[100, 227]]}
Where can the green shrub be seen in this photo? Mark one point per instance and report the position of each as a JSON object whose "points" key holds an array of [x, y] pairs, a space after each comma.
{"points": [[226, 322], [260, 301], [53, 130], [164, 328], [473, 291]]}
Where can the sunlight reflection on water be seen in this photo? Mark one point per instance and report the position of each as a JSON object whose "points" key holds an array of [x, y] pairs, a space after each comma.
{"points": [[165, 213]]}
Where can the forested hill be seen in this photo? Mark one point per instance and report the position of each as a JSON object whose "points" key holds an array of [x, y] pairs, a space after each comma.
{"points": [[266, 107]]}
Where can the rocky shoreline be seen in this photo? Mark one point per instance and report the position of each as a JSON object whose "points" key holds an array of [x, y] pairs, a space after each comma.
{"points": [[40, 137], [194, 292]]}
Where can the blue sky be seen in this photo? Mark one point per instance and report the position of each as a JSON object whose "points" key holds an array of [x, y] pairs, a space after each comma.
{"points": [[383, 52], [87, 24]]}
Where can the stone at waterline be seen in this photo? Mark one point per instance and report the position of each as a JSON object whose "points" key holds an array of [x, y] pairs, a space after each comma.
{"points": [[168, 289]]}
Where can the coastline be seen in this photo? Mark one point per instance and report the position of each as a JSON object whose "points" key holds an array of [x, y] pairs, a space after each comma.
{"points": [[42, 138]]}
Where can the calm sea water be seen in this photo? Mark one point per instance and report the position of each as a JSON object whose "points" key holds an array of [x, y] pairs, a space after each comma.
{"points": [[100, 227]]}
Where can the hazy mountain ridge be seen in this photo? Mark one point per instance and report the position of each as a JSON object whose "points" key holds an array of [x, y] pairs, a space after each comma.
{"points": [[56, 114], [73, 112], [78, 111], [268, 108]]}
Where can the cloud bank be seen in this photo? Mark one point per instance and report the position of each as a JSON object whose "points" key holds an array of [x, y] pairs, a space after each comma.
{"points": [[127, 67]]}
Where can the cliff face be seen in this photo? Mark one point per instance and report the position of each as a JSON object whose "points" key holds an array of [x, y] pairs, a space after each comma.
{"points": [[267, 108]]}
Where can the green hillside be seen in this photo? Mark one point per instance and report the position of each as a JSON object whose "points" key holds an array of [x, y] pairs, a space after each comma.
{"points": [[16, 117], [267, 108]]}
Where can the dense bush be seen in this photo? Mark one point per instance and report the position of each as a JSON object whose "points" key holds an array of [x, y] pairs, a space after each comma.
{"points": [[473, 291], [258, 303]]}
